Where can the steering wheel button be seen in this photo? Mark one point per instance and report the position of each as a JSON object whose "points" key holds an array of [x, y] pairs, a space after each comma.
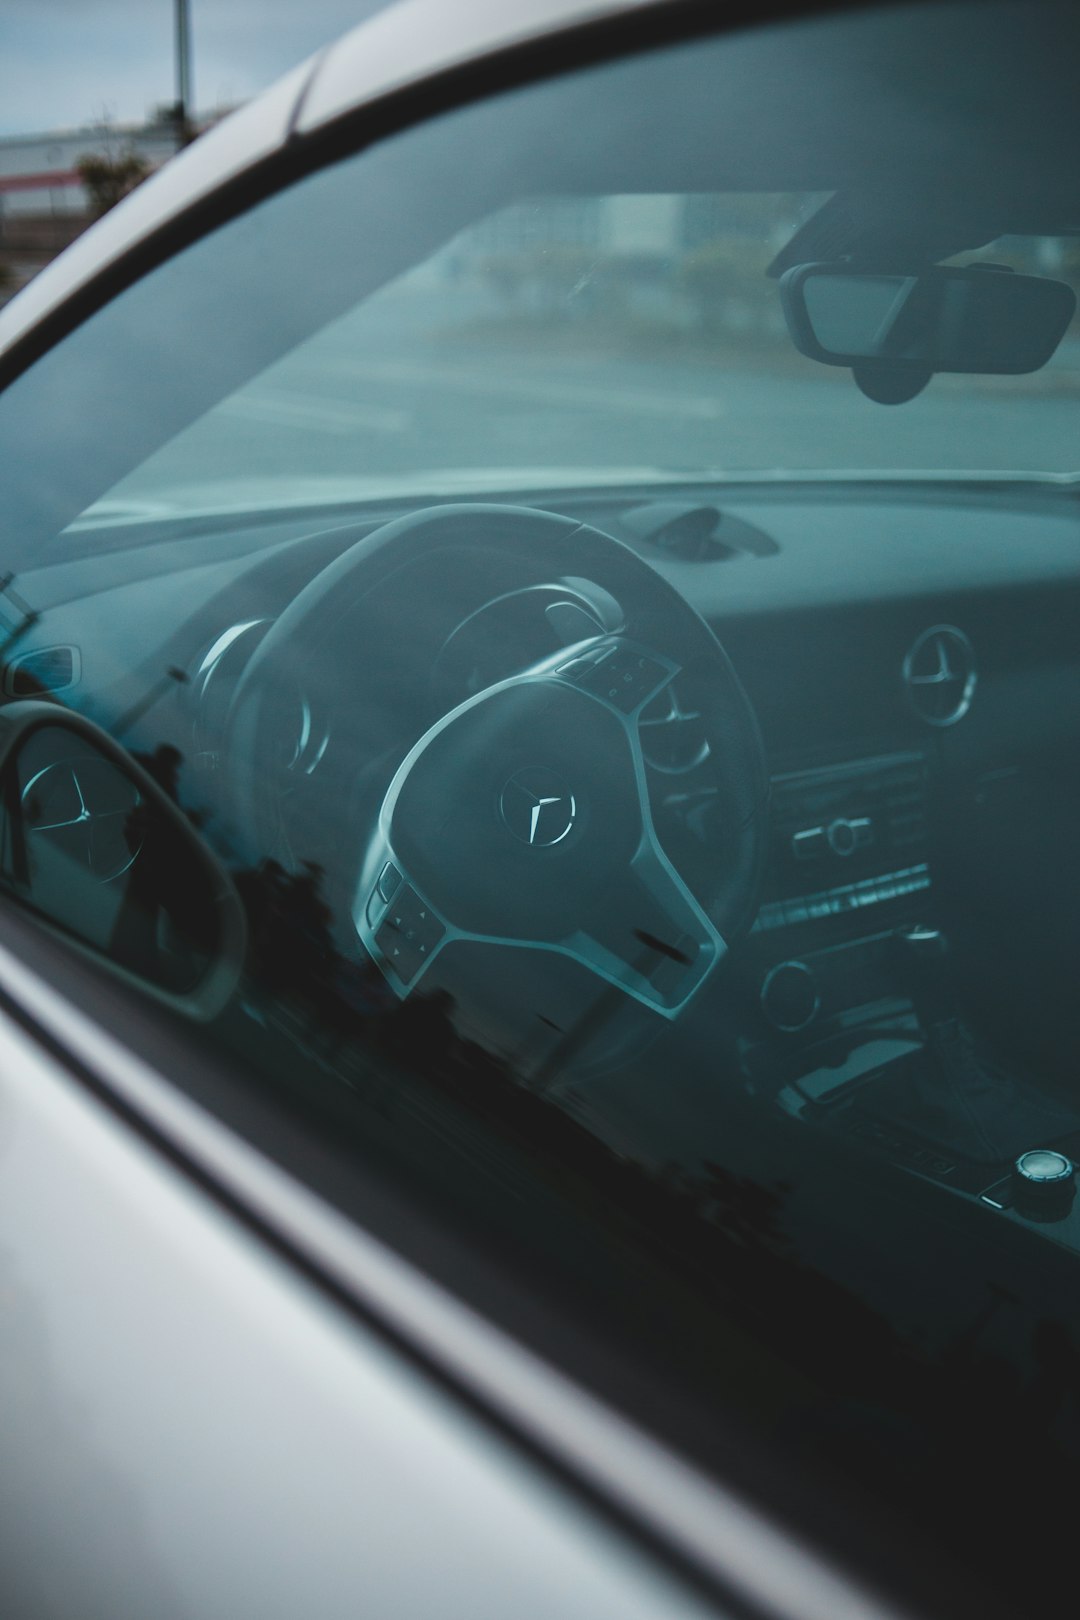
{"points": [[412, 923], [389, 940], [389, 881], [405, 962], [407, 907], [405, 951], [628, 680], [576, 668]]}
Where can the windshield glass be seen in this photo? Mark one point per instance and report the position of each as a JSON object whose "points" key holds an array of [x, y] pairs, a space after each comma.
{"points": [[562, 337]]}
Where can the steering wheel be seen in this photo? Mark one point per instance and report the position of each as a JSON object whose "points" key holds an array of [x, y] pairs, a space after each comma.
{"points": [[523, 816]]}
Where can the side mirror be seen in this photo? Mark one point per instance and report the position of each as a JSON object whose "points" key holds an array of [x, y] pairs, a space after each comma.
{"points": [[967, 319], [91, 844]]}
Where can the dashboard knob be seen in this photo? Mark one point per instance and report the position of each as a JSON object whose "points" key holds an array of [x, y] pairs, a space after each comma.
{"points": [[789, 997], [925, 963], [1044, 1184]]}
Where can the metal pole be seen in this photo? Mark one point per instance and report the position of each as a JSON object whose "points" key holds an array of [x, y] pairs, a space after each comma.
{"points": [[183, 74]]}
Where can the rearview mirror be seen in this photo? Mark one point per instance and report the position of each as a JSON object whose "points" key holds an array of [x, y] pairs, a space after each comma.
{"points": [[968, 319], [95, 847]]}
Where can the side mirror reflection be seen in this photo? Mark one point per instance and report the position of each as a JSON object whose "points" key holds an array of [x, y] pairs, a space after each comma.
{"points": [[92, 845]]}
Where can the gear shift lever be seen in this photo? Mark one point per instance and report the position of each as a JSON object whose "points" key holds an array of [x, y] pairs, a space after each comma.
{"points": [[956, 1097]]}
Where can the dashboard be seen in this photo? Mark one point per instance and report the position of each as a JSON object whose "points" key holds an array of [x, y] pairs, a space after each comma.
{"points": [[910, 651]]}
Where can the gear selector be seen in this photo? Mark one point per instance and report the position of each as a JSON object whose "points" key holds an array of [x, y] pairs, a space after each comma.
{"points": [[954, 1095]]}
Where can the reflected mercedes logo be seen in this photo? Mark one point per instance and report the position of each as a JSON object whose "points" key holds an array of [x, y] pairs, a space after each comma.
{"points": [[940, 675], [537, 807], [84, 807]]}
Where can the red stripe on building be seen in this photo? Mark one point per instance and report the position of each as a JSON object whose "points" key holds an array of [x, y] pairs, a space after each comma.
{"points": [[48, 181]]}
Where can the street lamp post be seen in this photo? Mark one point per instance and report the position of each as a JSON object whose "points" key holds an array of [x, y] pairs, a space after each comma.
{"points": [[184, 131]]}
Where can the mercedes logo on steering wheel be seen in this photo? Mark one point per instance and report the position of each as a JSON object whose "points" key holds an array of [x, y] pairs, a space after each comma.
{"points": [[537, 807]]}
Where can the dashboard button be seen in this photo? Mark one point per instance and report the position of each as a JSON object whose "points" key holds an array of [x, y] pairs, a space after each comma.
{"points": [[808, 844], [842, 836], [1044, 1184], [789, 997], [771, 915]]}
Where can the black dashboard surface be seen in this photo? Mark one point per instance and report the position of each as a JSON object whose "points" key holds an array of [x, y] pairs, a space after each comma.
{"points": [[818, 629]]}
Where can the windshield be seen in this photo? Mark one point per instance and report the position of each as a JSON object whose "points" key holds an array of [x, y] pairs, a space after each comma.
{"points": [[611, 299], [564, 339]]}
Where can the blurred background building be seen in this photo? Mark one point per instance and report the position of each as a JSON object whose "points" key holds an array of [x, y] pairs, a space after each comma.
{"points": [[52, 186]]}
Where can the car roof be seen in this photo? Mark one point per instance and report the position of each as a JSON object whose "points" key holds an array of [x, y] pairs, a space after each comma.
{"points": [[417, 38], [403, 45]]}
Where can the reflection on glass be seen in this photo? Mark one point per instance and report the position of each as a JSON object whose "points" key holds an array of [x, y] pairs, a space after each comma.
{"points": [[86, 850]]}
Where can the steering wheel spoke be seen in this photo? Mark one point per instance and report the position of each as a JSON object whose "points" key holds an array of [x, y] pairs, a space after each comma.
{"points": [[651, 937], [648, 936]]}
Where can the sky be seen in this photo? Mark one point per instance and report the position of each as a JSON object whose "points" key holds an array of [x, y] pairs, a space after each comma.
{"points": [[66, 63]]}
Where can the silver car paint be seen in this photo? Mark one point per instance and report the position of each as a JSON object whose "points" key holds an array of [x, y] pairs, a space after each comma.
{"points": [[725, 1538], [374, 59], [187, 1428]]}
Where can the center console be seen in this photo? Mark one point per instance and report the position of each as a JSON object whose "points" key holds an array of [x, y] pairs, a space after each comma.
{"points": [[848, 865], [851, 1017]]}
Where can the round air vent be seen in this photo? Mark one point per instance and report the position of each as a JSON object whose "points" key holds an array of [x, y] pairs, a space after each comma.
{"points": [[672, 735], [940, 675]]}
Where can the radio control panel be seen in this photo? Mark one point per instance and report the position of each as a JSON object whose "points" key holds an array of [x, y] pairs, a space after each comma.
{"points": [[832, 826], [850, 864]]}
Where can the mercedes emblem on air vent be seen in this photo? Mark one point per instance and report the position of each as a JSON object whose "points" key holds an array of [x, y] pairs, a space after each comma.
{"points": [[940, 675]]}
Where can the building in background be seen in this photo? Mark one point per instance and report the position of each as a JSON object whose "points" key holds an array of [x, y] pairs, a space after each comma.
{"points": [[44, 203]]}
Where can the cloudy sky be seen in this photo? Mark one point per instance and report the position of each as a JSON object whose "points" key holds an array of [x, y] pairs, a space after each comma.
{"points": [[69, 62]]}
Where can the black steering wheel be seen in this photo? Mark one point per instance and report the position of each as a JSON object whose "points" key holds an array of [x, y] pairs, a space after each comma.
{"points": [[523, 817]]}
